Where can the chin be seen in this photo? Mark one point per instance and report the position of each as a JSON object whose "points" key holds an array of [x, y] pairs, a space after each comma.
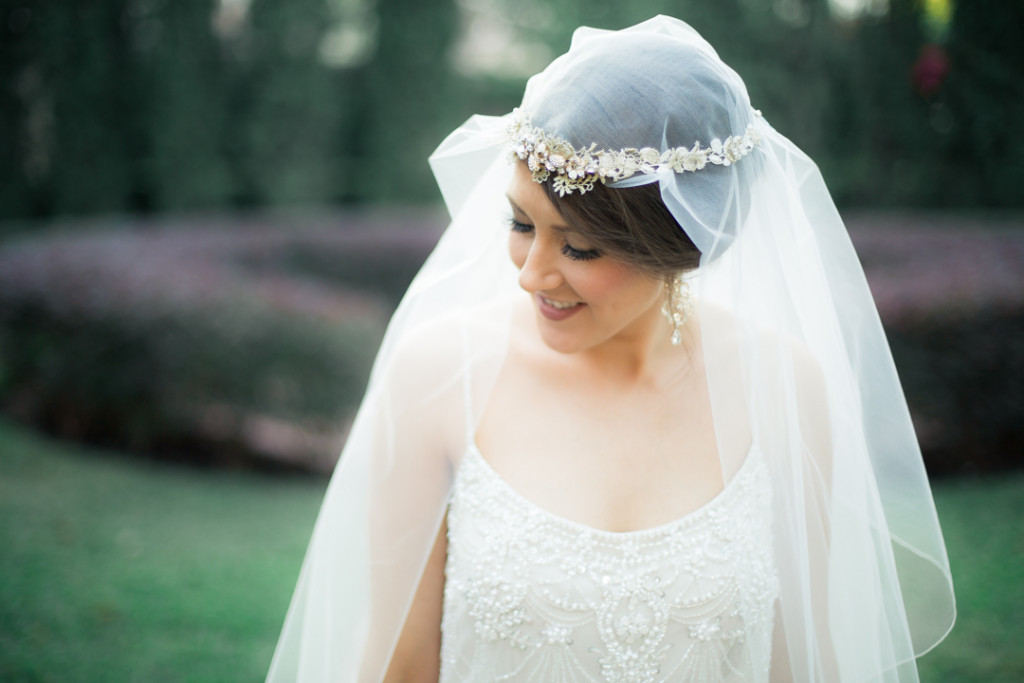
{"points": [[564, 341], [560, 347]]}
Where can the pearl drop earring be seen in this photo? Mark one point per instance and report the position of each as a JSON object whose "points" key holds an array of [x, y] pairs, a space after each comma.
{"points": [[678, 306]]}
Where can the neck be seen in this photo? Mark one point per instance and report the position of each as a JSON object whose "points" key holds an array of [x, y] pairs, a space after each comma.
{"points": [[643, 352]]}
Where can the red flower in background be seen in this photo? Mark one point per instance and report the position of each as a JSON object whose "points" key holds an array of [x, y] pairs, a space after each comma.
{"points": [[930, 69]]}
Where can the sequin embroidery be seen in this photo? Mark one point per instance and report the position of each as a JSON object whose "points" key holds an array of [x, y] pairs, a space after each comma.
{"points": [[530, 596]]}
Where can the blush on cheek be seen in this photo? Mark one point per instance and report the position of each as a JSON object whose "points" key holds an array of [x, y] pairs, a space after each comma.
{"points": [[610, 279], [617, 292], [517, 249]]}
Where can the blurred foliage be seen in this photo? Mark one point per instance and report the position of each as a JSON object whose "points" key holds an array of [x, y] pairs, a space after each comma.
{"points": [[186, 381], [247, 341], [226, 344], [154, 105], [950, 292], [960, 377]]}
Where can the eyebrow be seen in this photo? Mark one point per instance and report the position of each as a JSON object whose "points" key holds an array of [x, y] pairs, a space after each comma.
{"points": [[556, 228]]}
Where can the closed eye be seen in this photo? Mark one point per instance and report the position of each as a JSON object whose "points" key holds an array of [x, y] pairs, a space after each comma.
{"points": [[580, 254], [568, 250], [519, 226]]}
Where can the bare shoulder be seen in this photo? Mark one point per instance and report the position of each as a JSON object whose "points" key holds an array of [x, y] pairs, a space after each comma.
{"points": [[731, 335], [751, 357], [448, 345], [434, 373]]}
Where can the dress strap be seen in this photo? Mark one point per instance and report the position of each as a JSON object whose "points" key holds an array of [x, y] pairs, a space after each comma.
{"points": [[467, 390]]}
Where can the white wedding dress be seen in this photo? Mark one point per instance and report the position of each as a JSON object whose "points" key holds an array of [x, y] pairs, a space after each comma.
{"points": [[530, 596]]}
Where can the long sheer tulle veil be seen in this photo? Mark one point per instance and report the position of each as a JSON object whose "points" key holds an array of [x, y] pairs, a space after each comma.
{"points": [[796, 361]]}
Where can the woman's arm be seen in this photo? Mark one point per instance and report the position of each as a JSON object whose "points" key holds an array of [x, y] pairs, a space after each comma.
{"points": [[417, 656], [424, 427]]}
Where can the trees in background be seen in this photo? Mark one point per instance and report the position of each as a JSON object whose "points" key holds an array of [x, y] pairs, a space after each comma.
{"points": [[154, 105]]}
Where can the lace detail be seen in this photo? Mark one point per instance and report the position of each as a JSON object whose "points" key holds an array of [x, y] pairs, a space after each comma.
{"points": [[531, 596]]}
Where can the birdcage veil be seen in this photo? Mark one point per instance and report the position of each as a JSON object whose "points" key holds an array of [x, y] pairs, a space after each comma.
{"points": [[797, 367]]}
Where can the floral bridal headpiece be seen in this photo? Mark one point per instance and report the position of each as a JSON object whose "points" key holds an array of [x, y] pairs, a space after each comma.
{"points": [[576, 170]]}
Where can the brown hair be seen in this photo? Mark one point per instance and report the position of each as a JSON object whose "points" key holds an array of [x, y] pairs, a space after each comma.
{"points": [[631, 224]]}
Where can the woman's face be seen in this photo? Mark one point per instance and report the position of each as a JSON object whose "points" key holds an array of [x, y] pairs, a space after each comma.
{"points": [[582, 298]]}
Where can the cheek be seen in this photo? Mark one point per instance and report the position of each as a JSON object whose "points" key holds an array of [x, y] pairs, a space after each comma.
{"points": [[518, 248], [618, 285]]}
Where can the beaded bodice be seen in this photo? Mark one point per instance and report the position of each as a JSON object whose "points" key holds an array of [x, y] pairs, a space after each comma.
{"points": [[530, 596]]}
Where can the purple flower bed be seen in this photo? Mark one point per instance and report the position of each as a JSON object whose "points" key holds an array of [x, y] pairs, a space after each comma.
{"points": [[251, 338], [950, 291], [923, 267], [137, 266], [222, 341]]}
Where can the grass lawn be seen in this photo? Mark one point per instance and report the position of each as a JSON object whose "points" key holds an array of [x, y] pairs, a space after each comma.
{"points": [[114, 569], [983, 524]]}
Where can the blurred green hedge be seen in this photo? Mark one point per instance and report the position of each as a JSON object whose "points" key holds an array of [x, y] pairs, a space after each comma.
{"points": [[123, 105]]}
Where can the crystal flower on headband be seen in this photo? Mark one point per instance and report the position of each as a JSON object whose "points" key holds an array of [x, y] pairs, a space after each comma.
{"points": [[578, 169]]}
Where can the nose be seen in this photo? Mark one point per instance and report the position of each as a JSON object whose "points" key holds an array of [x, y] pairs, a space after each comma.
{"points": [[539, 271]]}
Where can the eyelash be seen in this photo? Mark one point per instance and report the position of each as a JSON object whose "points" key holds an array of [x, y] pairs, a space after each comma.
{"points": [[567, 250]]}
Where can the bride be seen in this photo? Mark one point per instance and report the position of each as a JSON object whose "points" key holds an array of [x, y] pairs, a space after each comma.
{"points": [[636, 418]]}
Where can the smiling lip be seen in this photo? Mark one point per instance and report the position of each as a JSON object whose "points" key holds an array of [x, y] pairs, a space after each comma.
{"points": [[552, 313]]}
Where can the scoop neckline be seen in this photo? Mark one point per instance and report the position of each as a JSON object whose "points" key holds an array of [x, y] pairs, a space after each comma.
{"points": [[688, 519]]}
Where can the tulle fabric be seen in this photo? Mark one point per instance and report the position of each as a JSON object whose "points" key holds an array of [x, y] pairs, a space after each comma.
{"points": [[797, 366]]}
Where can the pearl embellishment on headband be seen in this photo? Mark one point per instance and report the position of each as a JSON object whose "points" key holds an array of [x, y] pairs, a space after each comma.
{"points": [[578, 169]]}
